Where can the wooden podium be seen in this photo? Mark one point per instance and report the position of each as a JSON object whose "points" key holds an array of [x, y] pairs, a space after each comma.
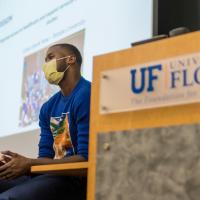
{"points": [[147, 118]]}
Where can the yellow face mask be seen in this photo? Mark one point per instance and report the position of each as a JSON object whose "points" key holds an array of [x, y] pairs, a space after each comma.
{"points": [[51, 73]]}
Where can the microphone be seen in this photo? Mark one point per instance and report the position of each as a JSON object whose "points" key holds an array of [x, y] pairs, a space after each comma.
{"points": [[178, 31], [154, 38], [172, 33]]}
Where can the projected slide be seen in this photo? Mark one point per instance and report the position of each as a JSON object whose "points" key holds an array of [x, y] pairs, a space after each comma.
{"points": [[95, 27]]}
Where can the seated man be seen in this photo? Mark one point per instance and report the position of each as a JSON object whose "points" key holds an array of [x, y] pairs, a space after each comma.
{"points": [[64, 123]]}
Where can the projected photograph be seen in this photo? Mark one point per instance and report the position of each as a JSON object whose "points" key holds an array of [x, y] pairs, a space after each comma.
{"points": [[35, 88]]}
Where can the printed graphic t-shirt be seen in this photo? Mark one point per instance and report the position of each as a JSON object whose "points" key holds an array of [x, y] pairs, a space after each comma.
{"points": [[64, 123]]}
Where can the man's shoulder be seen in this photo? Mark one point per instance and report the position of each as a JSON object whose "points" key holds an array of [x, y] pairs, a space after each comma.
{"points": [[51, 100], [86, 82], [54, 97], [84, 90], [85, 86]]}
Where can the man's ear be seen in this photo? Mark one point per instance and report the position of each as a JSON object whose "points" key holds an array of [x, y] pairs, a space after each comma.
{"points": [[71, 60]]}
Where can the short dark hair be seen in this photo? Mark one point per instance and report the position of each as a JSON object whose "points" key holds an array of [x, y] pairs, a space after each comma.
{"points": [[73, 50]]}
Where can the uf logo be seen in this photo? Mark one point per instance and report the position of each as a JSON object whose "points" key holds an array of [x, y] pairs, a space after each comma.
{"points": [[151, 77]]}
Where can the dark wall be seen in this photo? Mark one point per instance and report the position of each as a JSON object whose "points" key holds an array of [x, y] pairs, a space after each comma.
{"points": [[176, 13]]}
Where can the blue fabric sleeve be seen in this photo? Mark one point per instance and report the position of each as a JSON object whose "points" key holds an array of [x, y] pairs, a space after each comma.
{"points": [[82, 113], [46, 138]]}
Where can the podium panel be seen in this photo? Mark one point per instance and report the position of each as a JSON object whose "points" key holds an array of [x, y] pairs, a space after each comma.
{"points": [[155, 163], [163, 117]]}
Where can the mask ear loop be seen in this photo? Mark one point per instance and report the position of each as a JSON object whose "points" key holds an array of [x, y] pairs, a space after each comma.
{"points": [[62, 58], [67, 66]]}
